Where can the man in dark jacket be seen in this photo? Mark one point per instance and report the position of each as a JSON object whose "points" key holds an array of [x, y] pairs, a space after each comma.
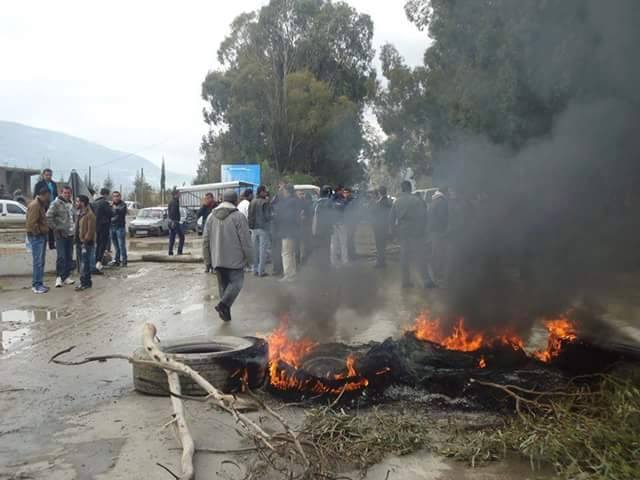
{"points": [[226, 247], [381, 217], [175, 225], [103, 214], [47, 181], [289, 214], [119, 229], [409, 220], [260, 224], [208, 205]]}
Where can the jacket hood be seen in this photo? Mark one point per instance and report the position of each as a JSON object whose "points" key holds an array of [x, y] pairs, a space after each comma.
{"points": [[223, 210]]}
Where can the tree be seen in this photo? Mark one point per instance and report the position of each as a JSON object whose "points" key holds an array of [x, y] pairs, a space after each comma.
{"points": [[163, 180], [143, 192], [296, 77], [108, 183]]}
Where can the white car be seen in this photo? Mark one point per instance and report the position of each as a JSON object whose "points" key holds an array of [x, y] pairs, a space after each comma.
{"points": [[12, 213]]}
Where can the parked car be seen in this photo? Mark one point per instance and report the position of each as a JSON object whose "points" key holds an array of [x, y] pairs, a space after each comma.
{"points": [[150, 221], [189, 219], [12, 213]]}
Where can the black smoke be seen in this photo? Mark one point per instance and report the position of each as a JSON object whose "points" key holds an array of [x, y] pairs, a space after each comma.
{"points": [[554, 225]]}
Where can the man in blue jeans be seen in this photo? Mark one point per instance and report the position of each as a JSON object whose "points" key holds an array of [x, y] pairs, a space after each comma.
{"points": [[118, 229], [37, 234], [86, 239], [61, 220]]}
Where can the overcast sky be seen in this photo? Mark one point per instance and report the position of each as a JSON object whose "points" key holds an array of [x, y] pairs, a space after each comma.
{"points": [[127, 74]]}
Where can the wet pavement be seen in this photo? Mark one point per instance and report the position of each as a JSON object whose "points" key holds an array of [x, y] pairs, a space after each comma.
{"points": [[86, 422]]}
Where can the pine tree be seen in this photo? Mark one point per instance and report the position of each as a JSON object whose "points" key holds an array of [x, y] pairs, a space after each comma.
{"points": [[163, 180]]}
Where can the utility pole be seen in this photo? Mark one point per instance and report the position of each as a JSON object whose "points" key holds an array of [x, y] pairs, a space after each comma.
{"points": [[142, 185], [90, 183]]}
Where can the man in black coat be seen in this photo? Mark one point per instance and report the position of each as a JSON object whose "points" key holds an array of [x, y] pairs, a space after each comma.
{"points": [[175, 225], [103, 212], [47, 181]]}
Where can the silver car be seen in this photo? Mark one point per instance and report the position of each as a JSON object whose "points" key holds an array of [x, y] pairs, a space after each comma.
{"points": [[150, 221], [12, 213]]}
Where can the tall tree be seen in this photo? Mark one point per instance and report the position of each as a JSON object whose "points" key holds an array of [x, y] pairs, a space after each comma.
{"points": [[163, 180], [108, 182], [296, 77]]}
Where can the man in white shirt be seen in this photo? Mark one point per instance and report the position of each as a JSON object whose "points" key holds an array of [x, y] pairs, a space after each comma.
{"points": [[243, 208], [245, 201]]}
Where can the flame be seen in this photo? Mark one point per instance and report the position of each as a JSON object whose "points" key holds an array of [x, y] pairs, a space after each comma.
{"points": [[285, 360], [560, 331], [427, 329], [482, 363]]}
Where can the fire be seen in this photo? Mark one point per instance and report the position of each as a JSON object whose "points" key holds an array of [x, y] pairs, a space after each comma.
{"points": [[430, 330], [482, 363], [560, 331], [286, 357]]}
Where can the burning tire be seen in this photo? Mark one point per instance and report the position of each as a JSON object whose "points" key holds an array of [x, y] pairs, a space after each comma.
{"points": [[222, 361]]}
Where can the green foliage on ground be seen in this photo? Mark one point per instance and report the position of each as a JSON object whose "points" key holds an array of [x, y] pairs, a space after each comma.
{"points": [[586, 433]]}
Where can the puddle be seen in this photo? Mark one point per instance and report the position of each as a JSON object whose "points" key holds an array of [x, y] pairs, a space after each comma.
{"points": [[28, 316], [12, 339]]}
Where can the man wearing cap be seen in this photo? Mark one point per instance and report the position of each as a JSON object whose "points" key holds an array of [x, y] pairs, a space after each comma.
{"points": [[227, 249]]}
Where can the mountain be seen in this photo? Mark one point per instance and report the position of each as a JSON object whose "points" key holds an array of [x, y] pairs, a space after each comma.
{"points": [[29, 147]]}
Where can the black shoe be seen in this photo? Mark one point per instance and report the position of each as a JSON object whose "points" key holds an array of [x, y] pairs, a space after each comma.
{"points": [[124, 264], [224, 312], [262, 275], [171, 254], [79, 288], [114, 264], [97, 272]]}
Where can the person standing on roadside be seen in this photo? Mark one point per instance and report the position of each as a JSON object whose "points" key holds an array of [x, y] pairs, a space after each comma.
{"points": [[245, 201], [175, 224], [438, 227], [260, 225], [381, 217], [37, 233], [226, 248], [47, 181], [409, 220], [340, 237], [61, 221], [207, 206], [86, 239], [322, 229], [119, 229], [289, 214], [103, 213]]}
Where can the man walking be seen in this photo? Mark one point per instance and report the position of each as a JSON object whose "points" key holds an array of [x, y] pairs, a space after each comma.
{"points": [[103, 214], [61, 221], [175, 224], [85, 237], [37, 232], [47, 181], [409, 219], [226, 247], [260, 225], [381, 213], [119, 229]]}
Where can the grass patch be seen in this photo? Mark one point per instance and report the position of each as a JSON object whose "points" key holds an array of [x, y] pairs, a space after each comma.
{"points": [[584, 432]]}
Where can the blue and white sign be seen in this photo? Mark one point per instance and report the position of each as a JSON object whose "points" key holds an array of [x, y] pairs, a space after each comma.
{"points": [[241, 173]]}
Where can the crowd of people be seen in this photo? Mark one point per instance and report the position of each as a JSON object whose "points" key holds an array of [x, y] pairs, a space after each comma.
{"points": [[57, 221], [243, 233]]}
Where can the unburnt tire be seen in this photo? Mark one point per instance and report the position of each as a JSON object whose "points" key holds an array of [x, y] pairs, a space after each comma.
{"points": [[222, 361]]}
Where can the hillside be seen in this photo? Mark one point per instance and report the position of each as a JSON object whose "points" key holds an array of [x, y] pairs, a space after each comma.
{"points": [[24, 146]]}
